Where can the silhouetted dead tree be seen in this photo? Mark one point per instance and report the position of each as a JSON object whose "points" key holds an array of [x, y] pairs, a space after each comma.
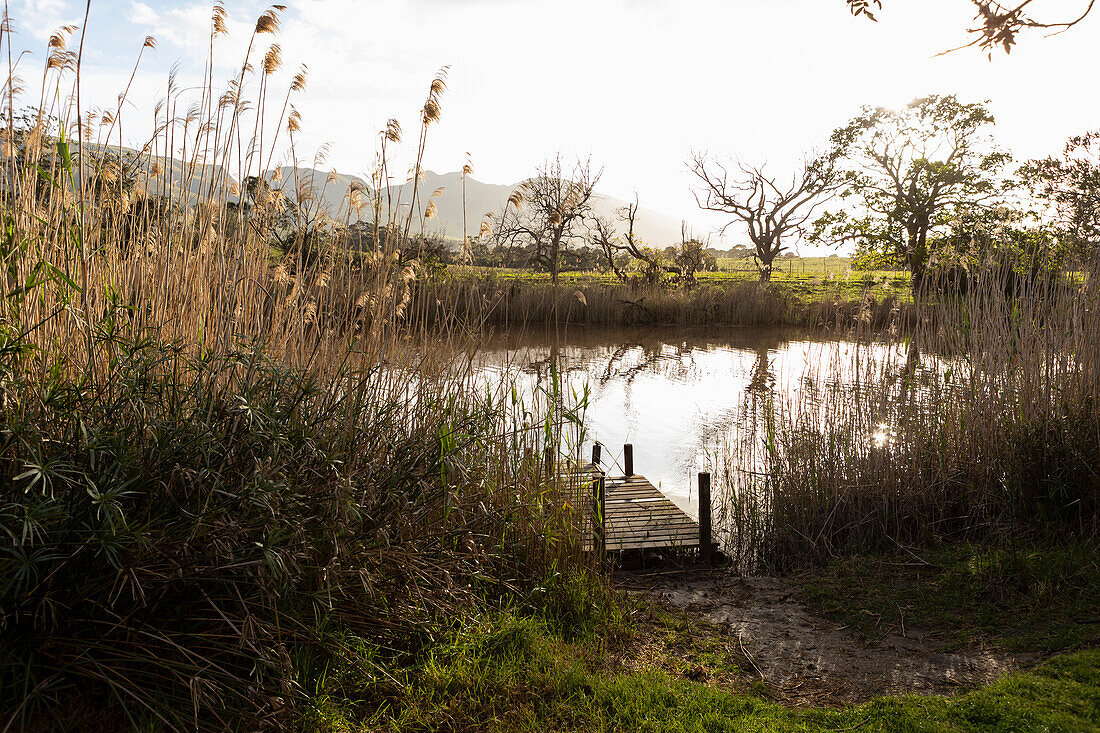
{"points": [[770, 211], [605, 238], [550, 212]]}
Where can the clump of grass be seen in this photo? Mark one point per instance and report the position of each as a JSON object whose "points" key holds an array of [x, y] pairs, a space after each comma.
{"points": [[517, 299], [516, 303], [1023, 597]]}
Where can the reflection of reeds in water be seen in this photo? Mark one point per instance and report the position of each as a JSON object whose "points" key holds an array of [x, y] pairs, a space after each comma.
{"points": [[981, 421], [218, 479]]}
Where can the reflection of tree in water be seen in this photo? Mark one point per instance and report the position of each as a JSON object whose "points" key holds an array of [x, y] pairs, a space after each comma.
{"points": [[580, 350], [761, 379], [674, 360], [614, 366], [912, 361], [654, 355], [617, 370], [541, 367], [757, 410]]}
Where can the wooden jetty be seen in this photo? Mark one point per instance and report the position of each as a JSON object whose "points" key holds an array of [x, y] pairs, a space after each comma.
{"points": [[630, 513]]}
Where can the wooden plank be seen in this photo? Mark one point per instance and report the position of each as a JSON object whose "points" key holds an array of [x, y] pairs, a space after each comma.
{"points": [[650, 544], [640, 543], [650, 525], [686, 540], [645, 505], [631, 486], [637, 495], [656, 516], [648, 493], [631, 526], [637, 515], [666, 527], [629, 481], [639, 492], [641, 505], [634, 482], [679, 526], [655, 531]]}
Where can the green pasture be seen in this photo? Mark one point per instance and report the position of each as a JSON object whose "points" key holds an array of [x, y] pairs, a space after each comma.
{"points": [[808, 278]]}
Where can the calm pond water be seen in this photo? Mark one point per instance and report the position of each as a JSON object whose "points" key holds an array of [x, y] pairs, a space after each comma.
{"points": [[681, 396]]}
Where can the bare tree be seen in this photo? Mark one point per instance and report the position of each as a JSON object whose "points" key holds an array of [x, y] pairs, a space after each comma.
{"points": [[553, 213], [770, 211], [691, 257], [998, 24], [605, 237]]}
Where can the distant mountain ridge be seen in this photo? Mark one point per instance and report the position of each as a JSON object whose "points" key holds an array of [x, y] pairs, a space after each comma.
{"points": [[652, 227], [330, 190]]}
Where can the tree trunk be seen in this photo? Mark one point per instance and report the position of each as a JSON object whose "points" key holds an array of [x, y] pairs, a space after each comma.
{"points": [[917, 280], [916, 256], [918, 268], [554, 250]]}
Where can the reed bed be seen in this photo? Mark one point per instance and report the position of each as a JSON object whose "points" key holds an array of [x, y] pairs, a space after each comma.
{"points": [[513, 303], [980, 421], [224, 471]]}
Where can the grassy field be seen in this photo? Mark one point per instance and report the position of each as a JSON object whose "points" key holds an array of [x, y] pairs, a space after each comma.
{"points": [[809, 278], [522, 669], [802, 265], [1026, 597], [515, 297]]}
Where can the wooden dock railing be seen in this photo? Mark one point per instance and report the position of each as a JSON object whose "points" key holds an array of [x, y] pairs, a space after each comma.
{"points": [[630, 513]]}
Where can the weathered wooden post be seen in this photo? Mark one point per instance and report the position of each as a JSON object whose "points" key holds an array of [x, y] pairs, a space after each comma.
{"points": [[599, 521], [628, 459], [597, 451], [704, 517]]}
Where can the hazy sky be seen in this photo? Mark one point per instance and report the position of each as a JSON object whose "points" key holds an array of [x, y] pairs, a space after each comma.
{"points": [[638, 84]]}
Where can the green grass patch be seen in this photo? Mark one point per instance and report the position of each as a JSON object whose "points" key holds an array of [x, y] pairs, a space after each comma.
{"points": [[572, 658], [510, 672], [1024, 598], [805, 284]]}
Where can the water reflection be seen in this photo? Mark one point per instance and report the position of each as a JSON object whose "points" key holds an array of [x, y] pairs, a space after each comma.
{"points": [[682, 397], [883, 436]]}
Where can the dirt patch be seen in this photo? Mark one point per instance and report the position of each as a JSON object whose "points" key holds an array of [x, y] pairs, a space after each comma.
{"points": [[806, 659]]}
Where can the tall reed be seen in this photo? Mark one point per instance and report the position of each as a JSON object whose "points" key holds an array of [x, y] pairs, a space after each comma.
{"points": [[980, 420], [224, 467]]}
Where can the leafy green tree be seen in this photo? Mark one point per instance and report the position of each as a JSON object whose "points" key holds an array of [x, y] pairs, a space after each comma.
{"points": [[910, 173], [1003, 242], [1070, 185]]}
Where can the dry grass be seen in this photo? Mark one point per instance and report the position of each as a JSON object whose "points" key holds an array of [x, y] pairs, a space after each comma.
{"points": [[508, 303], [511, 299]]}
